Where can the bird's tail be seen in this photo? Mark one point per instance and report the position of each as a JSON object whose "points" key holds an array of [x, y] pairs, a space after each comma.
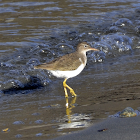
{"points": [[43, 66]]}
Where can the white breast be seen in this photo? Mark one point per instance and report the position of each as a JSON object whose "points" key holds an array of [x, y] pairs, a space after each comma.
{"points": [[68, 74]]}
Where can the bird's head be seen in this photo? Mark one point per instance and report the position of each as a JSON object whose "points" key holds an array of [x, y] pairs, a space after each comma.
{"points": [[84, 47]]}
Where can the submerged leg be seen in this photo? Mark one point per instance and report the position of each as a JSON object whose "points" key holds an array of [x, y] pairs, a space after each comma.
{"points": [[66, 86]]}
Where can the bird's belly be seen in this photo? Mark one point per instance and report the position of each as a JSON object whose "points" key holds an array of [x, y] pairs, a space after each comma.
{"points": [[68, 74]]}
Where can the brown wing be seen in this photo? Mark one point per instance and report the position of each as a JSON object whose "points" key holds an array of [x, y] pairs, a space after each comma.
{"points": [[66, 62]]}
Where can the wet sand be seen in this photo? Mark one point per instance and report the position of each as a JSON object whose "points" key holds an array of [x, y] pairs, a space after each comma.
{"points": [[115, 129]]}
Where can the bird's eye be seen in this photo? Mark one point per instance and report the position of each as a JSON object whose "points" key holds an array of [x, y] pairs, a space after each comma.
{"points": [[86, 46]]}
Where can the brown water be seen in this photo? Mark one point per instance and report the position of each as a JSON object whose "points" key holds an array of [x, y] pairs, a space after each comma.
{"points": [[32, 101]]}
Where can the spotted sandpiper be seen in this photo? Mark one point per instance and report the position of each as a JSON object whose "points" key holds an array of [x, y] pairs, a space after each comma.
{"points": [[69, 65]]}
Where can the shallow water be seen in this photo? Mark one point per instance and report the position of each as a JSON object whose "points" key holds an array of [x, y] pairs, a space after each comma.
{"points": [[32, 101]]}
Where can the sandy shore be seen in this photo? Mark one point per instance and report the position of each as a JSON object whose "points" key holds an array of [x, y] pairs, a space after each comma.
{"points": [[116, 129]]}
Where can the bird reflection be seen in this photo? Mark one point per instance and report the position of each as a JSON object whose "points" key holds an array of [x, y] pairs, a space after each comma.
{"points": [[69, 108], [74, 120]]}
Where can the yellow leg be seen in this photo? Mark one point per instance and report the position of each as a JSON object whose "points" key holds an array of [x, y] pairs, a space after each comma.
{"points": [[66, 86], [65, 90]]}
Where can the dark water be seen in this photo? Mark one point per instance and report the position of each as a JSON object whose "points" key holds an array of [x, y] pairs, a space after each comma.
{"points": [[32, 101]]}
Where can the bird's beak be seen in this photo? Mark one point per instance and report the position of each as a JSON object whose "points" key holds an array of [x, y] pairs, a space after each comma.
{"points": [[93, 49]]}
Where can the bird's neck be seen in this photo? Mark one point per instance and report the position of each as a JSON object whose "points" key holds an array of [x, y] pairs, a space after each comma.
{"points": [[83, 57]]}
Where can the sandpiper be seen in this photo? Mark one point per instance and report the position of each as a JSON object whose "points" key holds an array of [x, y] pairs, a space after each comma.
{"points": [[69, 65]]}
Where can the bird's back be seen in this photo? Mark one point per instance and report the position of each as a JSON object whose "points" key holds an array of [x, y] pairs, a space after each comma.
{"points": [[67, 62]]}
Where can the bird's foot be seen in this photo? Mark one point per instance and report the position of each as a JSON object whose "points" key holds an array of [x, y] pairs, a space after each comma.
{"points": [[73, 93], [66, 95]]}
